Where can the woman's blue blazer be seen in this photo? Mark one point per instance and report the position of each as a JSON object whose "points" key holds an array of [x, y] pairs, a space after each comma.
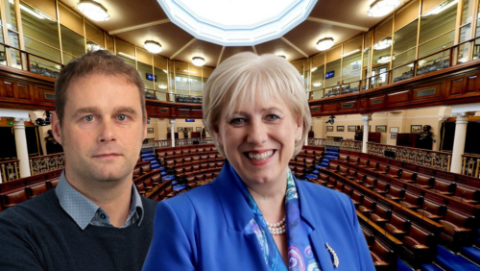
{"points": [[203, 229]]}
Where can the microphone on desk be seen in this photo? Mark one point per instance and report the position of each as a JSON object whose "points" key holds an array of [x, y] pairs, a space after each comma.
{"points": [[401, 203], [461, 199]]}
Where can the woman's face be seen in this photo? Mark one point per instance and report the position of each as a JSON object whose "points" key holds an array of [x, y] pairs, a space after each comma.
{"points": [[259, 139]]}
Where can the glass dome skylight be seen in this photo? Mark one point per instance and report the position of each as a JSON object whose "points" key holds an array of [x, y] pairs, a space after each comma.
{"points": [[237, 22]]}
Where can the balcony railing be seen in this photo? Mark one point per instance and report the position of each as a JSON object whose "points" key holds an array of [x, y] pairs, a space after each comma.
{"points": [[346, 144], [421, 157], [471, 165], [442, 59], [165, 96], [178, 142], [41, 164], [9, 170]]}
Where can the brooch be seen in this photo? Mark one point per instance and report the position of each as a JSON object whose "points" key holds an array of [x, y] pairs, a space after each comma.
{"points": [[335, 260]]}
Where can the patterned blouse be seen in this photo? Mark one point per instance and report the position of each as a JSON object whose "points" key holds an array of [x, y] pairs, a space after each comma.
{"points": [[300, 254]]}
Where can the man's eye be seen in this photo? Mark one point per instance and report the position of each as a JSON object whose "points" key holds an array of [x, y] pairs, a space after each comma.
{"points": [[122, 117], [88, 118]]}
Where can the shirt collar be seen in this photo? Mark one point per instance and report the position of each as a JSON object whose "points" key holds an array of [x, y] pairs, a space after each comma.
{"points": [[82, 210]]}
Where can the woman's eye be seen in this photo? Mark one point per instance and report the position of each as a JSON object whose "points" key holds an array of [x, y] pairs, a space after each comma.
{"points": [[272, 117], [88, 118], [122, 117], [237, 121]]}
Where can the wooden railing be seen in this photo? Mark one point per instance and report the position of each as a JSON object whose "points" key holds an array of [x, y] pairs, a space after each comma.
{"points": [[421, 157], [471, 165], [44, 163], [9, 170], [441, 59], [166, 96], [345, 144]]}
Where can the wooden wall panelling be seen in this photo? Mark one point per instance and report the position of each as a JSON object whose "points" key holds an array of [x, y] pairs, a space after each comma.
{"points": [[376, 102], [44, 95], [196, 113], [398, 98], [316, 110], [430, 92], [473, 84], [347, 107], [182, 112], [456, 86], [164, 111], [330, 107]]}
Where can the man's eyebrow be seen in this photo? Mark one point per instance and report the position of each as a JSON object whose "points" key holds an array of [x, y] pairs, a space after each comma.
{"points": [[84, 110], [125, 109]]}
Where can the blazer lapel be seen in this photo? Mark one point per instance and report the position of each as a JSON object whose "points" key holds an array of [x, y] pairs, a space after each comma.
{"points": [[316, 231], [237, 212]]}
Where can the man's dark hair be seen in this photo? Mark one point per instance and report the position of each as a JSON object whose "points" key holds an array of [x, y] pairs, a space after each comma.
{"points": [[96, 62]]}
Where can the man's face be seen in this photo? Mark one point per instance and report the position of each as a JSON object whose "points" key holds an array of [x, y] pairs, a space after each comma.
{"points": [[102, 129]]}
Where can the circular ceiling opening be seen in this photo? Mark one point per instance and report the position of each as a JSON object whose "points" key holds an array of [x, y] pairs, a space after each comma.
{"points": [[237, 22]]}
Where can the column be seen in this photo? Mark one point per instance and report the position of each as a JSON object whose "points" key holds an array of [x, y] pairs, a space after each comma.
{"points": [[366, 119], [459, 141], [172, 129], [21, 145]]}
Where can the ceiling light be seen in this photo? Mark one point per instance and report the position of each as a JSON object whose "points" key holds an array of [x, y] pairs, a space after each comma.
{"points": [[162, 86], [380, 8], [317, 84], [153, 46], [93, 10], [198, 61], [440, 8], [383, 44], [314, 69], [324, 44], [385, 59]]}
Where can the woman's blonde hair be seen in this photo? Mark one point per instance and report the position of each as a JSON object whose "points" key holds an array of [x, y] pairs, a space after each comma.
{"points": [[237, 80]]}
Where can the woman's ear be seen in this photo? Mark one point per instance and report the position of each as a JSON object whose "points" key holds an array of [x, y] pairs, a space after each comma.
{"points": [[216, 134], [299, 128]]}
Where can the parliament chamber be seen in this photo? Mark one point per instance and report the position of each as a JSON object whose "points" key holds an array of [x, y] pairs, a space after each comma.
{"points": [[394, 100]]}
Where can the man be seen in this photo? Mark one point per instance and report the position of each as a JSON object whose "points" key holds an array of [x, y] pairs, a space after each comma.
{"points": [[94, 219]]}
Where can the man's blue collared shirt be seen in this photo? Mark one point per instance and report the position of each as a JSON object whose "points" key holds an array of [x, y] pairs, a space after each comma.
{"points": [[84, 212]]}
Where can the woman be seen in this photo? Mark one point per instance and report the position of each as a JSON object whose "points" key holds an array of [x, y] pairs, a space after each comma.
{"points": [[256, 215]]}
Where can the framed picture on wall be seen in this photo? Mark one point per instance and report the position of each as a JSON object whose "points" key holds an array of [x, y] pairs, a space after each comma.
{"points": [[415, 129], [394, 130], [341, 128], [369, 128], [150, 131], [190, 129], [179, 129], [329, 128], [352, 128], [169, 130], [381, 128], [198, 129]]}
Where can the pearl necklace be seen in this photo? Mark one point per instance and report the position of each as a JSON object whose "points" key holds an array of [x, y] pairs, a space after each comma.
{"points": [[277, 228]]}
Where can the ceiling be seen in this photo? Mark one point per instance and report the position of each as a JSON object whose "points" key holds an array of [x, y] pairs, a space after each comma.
{"points": [[137, 21]]}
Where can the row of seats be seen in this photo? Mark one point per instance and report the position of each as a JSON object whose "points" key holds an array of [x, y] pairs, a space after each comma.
{"points": [[418, 243], [185, 150], [457, 226], [382, 255], [191, 160], [12, 198], [458, 191]]}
